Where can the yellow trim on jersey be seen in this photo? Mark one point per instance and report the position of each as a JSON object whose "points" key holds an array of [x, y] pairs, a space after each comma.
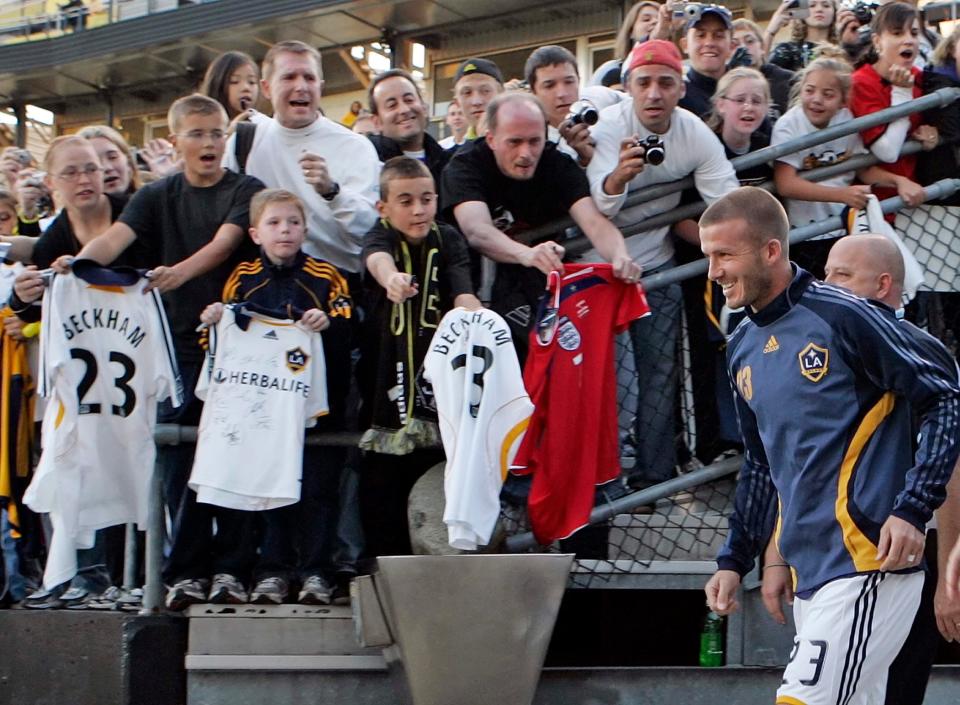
{"points": [[233, 281], [862, 550], [708, 305], [507, 444], [106, 287], [61, 412], [787, 700]]}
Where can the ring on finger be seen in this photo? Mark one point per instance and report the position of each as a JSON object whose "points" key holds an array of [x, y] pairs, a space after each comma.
{"points": [[911, 558]]}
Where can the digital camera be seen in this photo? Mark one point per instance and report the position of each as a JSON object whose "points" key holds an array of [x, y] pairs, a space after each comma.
{"points": [[583, 112], [688, 12], [653, 150], [863, 11]]}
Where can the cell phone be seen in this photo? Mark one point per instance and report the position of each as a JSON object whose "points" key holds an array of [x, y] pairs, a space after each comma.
{"points": [[414, 281]]}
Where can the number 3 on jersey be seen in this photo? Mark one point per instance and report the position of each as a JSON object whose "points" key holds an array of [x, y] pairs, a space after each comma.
{"points": [[121, 382], [485, 355]]}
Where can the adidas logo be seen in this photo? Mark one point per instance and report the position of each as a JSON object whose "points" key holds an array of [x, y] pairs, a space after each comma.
{"points": [[771, 346], [271, 335]]}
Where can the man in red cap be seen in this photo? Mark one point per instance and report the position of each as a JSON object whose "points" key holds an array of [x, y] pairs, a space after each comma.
{"points": [[627, 137]]}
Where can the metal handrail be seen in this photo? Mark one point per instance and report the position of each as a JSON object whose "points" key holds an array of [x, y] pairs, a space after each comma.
{"points": [[519, 543], [937, 99], [935, 191], [578, 245]]}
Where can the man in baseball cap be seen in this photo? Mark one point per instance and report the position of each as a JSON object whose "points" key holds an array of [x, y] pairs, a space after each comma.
{"points": [[619, 166], [708, 42], [476, 83]]}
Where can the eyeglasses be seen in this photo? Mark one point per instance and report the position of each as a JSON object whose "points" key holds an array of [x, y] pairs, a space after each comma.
{"points": [[743, 100], [197, 135], [72, 174]]}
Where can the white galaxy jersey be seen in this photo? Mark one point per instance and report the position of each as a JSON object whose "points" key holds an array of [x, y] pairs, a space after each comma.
{"points": [[106, 359], [264, 381], [483, 411]]}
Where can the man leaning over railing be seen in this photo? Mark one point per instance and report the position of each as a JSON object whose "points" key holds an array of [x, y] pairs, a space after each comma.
{"points": [[642, 142]]}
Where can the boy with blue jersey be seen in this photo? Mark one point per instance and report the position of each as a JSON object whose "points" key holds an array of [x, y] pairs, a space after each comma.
{"points": [[831, 474]]}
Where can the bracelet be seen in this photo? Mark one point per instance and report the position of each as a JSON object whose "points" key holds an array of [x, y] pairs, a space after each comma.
{"points": [[777, 565]]}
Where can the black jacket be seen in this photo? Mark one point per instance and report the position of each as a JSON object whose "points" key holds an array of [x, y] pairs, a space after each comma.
{"points": [[436, 156]]}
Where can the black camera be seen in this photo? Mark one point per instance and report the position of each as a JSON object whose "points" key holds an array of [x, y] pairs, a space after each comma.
{"points": [[862, 10], [583, 112], [653, 150]]}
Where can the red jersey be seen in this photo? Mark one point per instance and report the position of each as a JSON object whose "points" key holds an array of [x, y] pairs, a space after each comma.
{"points": [[870, 93], [572, 444]]}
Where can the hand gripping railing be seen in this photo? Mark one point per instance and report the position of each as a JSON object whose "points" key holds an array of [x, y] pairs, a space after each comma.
{"points": [[601, 513], [937, 99]]}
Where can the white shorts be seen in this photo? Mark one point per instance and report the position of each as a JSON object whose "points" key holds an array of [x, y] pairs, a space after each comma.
{"points": [[848, 634]]}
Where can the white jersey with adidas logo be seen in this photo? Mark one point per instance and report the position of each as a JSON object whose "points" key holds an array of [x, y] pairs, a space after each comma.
{"points": [[264, 381], [483, 410], [106, 360]]}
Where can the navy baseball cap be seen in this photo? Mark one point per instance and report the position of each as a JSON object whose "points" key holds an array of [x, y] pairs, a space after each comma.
{"points": [[715, 10], [484, 66]]}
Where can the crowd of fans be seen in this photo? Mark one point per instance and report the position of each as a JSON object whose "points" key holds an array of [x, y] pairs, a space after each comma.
{"points": [[369, 194]]}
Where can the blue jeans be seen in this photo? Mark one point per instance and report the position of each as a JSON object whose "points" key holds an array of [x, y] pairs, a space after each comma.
{"points": [[655, 339], [15, 584]]}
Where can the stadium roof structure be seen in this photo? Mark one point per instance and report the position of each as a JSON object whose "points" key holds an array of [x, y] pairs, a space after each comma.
{"points": [[134, 54]]}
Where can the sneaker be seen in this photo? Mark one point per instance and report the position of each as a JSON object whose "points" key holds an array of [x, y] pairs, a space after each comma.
{"points": [[44, 599], [185, 593], [130, 600], [77, 598], [107, 601], [227, 590], [315, 591], [270, 591]]}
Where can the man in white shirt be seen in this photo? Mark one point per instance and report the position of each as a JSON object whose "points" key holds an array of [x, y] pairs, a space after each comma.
{"points": [[655, 82], [332, 170]]}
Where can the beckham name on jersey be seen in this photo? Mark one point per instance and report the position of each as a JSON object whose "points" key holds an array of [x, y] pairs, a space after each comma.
{"points": [[253, 379], [110, 318], [443, 339]]}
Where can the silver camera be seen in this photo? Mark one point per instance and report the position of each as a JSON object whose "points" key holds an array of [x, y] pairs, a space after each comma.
{"points": [[583, 112]]}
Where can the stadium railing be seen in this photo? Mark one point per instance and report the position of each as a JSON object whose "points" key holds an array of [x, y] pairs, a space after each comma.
{"points": [[705, 492]]}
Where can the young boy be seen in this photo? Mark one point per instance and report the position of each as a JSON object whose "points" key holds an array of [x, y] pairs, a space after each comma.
{"points": [[417, 270], [285, 278], [190, 223]]}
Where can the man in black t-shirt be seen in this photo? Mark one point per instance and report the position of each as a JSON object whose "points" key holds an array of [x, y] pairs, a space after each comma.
{"points": [[514, 180]]}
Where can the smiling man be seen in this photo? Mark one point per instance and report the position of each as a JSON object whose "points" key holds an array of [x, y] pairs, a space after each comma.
{"points": [[331, 169], [708, 42], [514, 180], [401, 116], [824, 387]]}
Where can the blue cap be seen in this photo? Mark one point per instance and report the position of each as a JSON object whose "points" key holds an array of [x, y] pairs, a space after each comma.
{"points": [[716, 10]]}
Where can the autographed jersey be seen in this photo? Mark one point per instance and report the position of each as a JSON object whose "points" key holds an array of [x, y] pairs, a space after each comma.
{"points": [[264, 381], [483, 410], [571, 445], [106, 359]]}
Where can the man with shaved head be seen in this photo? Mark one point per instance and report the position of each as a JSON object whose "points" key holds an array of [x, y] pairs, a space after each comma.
{"points": [[514, 180], [825, 384], [871, 266]]}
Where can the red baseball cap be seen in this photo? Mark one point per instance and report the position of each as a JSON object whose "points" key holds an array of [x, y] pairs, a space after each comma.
{"points": [[654, 51]]}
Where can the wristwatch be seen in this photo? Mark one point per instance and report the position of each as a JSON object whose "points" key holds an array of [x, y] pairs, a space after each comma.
{"points": [[332, 193]]}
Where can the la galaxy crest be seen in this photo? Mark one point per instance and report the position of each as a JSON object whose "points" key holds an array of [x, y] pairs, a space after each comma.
{"points": [[814, 362], [297, 360]]}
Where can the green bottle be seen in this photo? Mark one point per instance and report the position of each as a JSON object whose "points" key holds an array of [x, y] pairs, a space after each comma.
{"points": [[711, 641]]}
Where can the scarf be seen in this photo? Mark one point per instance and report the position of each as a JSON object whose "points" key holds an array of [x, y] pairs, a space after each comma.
{"points": [[404, 413]]}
